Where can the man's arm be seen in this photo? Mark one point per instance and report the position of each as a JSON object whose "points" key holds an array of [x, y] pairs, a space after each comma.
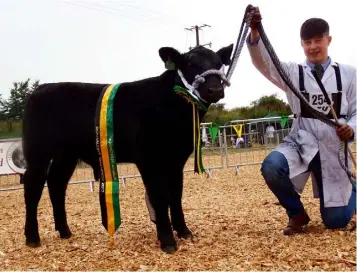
{"points": [[347, 132], [351, 98], [262, 61]]}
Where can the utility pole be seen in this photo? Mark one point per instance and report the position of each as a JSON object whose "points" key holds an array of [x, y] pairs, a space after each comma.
{"points": [[197, 28]]}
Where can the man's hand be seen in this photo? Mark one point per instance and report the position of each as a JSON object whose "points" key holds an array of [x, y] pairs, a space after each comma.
{"points": [[256, 17], [345, 132], [254, 34]]}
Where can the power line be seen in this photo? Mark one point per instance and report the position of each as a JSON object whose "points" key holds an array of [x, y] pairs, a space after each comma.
{"points": [[138, 8], [137, 16]]}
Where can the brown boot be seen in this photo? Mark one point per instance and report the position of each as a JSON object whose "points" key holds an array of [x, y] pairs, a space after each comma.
{"points": [[296, 224]]}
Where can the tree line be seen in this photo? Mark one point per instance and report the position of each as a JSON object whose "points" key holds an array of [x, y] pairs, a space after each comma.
{"points": [[267, 105]]}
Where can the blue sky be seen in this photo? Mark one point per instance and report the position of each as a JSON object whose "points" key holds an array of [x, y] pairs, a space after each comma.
{"points": [[110, 41]]}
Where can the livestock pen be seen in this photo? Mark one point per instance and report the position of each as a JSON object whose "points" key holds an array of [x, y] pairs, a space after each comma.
{"points": [[236, 220]]}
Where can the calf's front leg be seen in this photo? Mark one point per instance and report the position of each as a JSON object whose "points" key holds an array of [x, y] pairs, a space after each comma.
{"points": [[175, 201]]}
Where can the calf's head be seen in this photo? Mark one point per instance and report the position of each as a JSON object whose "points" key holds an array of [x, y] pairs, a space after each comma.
{"points": [[202, 68]]}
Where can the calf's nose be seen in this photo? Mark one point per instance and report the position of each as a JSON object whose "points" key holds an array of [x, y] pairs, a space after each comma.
{"points": [[215, 91]]}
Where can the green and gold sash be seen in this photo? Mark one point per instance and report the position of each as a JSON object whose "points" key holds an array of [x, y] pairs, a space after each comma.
{"points": [[109, 181]]}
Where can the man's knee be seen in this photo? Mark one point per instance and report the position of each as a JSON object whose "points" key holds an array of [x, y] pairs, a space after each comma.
{"points": [[274, 167], [335, 218]]}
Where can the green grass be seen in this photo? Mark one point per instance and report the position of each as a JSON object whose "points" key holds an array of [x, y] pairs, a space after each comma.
{"points": [[10, 129]]}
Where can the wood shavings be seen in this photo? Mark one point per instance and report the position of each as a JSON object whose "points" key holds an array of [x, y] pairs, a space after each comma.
{"points": [[349, 261], [235, 220]]}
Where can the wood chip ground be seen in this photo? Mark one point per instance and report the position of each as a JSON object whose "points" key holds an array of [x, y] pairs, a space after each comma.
{"points": [[236, 221]]}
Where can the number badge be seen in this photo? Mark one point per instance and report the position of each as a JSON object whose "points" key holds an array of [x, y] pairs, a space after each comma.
{"points": [[318, 102]]}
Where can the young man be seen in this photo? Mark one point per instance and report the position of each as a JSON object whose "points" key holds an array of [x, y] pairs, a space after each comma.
{"points": [[312, 147]]}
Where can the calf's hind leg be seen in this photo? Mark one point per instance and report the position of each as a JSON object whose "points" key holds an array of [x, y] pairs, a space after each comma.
{"points": [[59, 174], [34, 180]]}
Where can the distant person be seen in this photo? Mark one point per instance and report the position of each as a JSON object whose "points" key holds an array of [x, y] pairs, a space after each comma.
{"points": [[240, 142], [287, 169], [270, 133]]}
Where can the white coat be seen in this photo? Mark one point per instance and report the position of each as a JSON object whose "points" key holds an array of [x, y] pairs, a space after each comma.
{"points": [[308, 136]]}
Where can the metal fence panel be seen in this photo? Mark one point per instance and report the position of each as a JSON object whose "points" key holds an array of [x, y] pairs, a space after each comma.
{"points": [[254, 144]]}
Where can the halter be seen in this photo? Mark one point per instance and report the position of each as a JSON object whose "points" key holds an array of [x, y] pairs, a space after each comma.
{"points": [[193, 89]]}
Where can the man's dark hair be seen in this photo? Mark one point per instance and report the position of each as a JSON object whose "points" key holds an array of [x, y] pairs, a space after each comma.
{"points": [[313, 27]]}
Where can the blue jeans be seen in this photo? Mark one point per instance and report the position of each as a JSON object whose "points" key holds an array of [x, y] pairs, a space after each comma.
{"points": [[275, 170]]}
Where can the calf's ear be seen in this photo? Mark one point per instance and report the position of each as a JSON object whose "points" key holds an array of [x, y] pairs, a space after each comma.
{"points": [[171, 57], [225, 54]]}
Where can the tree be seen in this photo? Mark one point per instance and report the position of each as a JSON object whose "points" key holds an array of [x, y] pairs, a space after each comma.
{"points": [[257, 109], [214, 112], [272, 104], [3, 108], [13, 108]]}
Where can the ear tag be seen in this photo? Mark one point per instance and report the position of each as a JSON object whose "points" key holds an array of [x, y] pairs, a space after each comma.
{"points": [[169, 65]]}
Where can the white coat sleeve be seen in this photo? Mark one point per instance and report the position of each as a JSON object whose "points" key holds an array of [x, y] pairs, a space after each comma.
{"points": [[351, 98], [262, 61]]}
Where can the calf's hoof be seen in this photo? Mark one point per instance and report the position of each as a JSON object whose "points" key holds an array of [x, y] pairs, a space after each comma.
{"points": [[169, 249], [65, 233], [185, 234], [33, 244], [168, 243]]}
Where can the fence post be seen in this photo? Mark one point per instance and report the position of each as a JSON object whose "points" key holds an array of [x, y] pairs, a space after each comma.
{"points": [[220, 147], [225, 145]]}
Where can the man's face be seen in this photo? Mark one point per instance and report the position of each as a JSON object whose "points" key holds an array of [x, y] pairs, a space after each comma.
{"points": [[316, 48]]}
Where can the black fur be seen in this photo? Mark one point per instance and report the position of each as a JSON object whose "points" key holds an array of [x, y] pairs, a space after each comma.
{"points": [[149, 121]]}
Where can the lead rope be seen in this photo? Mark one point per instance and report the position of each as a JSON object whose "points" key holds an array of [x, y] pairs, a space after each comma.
{"points": [[320, 116], [239, 44]]}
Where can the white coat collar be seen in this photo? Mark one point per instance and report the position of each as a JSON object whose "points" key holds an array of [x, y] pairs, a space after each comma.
{"points": [[330, 71]]}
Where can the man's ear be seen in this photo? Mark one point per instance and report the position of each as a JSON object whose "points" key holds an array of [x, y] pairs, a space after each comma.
{"points": [[225, 54], [329, 40], [171, 57]]}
